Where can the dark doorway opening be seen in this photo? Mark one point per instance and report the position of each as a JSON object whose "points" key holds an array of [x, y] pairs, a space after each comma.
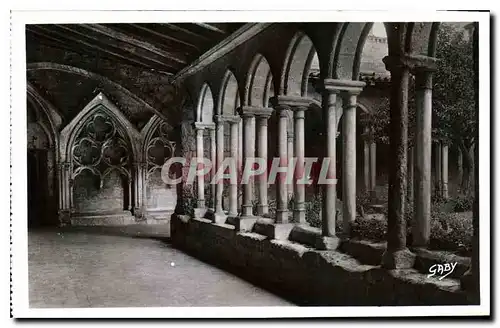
{"points": [[38, 188]]}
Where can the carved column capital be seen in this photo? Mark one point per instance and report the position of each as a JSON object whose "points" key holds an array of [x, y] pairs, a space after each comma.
{"points": [[414, 63]]}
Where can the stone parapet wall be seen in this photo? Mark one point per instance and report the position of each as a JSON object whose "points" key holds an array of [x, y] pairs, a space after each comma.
{"points": [[307, 276]]}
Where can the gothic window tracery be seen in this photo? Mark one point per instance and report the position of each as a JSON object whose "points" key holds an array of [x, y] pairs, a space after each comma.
{"points": [[159, 149], [100, 147]]}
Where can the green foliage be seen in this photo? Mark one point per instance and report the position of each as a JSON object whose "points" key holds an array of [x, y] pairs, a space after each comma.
{"points": [[313, 211], [454, 115], [369, 229], [188, 203], [462, 204], [453, 87]]}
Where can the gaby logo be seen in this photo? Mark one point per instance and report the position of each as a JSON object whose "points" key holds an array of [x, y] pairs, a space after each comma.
{"points": [[285, 171], [443, 270]]}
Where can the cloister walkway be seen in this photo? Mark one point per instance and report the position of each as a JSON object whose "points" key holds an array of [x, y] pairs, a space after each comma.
{"points": [[88, 268]]}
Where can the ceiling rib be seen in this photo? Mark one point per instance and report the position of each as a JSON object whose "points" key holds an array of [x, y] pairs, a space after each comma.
{"points": [[133, 41]]}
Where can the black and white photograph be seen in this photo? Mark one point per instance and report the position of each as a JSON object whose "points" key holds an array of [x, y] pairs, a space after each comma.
{"points": [[250, 165]]}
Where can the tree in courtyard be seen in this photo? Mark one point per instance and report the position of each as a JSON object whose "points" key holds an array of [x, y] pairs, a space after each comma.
{"points": [[453, 100]]}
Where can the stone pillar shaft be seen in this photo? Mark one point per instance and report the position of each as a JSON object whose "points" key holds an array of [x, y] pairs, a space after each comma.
{"points": [[397, 255], [366, 162], [290, 154], [200, 179], [444, 170], [281, 190], [262, 206], [299, 211], [218, 163], [329, 204], [373, 167], [423, 155], [233, 187], [349, 162], [249, 152], [213, 159]]}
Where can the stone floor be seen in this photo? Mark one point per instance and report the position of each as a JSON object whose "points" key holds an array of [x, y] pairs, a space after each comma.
{"points": [[95, 268]]}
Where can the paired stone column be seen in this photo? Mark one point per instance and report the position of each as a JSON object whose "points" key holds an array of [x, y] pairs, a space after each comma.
{"points": [[373, 168], [349, 157], [248, 116], [444, 170], [290, 150], [366, 160], [299, 210], [213, 159], [397, 255], [219, 186], [200, 180], [438, 169], [233, 186], [262, 115], [239, 164], [369, 161], [281, 186]]}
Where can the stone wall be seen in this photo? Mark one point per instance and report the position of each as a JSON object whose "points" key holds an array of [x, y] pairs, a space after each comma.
{"points": [[307, 276]]}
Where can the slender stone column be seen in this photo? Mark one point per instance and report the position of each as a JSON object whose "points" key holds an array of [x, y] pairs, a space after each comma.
{"points": [[262, 119], [239, 165], [444, 170], [397, 255], [200, 180], [281, 190], [423, 154], [219, 186], [373, 168], [299, 211], [349, 161], [233, 187], [213, 159], [366, 160], [329, 90], [438, 168], [249, 152], [329, 204], [460, 166], [290, 153]]}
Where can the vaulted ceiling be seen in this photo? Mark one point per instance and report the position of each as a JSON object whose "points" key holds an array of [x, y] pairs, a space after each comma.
{"points": [[133, 64]]}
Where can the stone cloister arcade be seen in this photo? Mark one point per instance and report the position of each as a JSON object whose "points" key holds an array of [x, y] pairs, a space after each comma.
{"points": [[251, 96]]}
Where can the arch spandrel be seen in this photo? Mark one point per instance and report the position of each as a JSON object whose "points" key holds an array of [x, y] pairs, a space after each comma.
{"points": [[348, 50]]}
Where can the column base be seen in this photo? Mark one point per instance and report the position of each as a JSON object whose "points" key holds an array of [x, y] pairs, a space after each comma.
{"points": [[398, 259], [282, 216], [242, 223], [200, 212], [262, 209], [327, 243], [299, 215], [272, 230], [219, 217], [246, 210]]}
